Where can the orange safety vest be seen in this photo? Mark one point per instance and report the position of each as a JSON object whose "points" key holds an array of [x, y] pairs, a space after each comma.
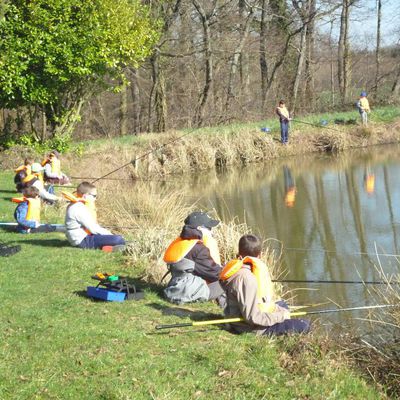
{"points": [[90, 205], [33, 213], [364, 104], [26, 168], [265, 288], [55, 165], [180, 247], [284, 111]]}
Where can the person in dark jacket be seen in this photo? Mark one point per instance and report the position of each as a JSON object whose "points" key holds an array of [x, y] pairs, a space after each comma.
{"points": [[194, 262]]}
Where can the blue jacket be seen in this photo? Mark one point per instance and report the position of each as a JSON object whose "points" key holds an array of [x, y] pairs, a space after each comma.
{"points": [[20, 214]]}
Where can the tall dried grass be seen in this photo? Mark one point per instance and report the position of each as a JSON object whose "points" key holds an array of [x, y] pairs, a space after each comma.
{"points": [[152, 217], [379, 352]]}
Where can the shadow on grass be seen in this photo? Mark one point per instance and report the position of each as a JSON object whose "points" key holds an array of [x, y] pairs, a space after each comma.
{"points": [[9, 191], [40, 241], [194, 315]]}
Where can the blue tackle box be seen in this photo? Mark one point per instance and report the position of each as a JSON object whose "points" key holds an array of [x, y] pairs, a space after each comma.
{"points": [[105, 294]]}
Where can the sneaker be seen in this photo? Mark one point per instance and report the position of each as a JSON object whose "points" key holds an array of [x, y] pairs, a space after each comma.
{"points": [[113, 249], [6, 250]]}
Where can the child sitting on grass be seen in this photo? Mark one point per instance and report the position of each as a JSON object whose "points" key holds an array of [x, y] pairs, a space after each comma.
{"points": [[27, 213], [22, 172], [250, 294], [82, 229]]}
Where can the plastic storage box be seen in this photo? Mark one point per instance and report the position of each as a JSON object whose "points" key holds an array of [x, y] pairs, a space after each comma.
{"points": [[105, 294]]}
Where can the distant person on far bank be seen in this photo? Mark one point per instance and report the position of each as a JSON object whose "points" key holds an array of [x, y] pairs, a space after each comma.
{"points": [[363, 108], [284, 119]]}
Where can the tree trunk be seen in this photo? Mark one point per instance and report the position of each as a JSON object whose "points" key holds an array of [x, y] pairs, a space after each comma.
{"points": [[208, 63], [378, 49], [344, 51], [235, 60], [309, 66], [123, 111], [396, 87], [299, 68], [135, 92], [263, 53]]}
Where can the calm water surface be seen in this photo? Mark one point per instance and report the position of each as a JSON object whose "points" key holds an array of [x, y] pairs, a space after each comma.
{"points": [[330, 214]]}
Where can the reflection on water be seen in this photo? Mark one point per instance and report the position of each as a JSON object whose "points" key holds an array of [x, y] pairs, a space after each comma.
{"points": [[331, 213]]}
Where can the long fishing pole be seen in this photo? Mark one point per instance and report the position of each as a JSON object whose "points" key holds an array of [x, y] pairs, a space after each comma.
{"points": [[15, 224], [63, 226], [294, 314], [143, 155], [334, 282], [315, 125], [358, 253]]}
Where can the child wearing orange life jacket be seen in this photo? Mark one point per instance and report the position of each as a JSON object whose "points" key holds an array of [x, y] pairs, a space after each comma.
{"points": [[250, 294], [35, 180], [27, 213], [52, 169], [22, 172], [363, 108], [82, 229], [284, 119], [194, 262]]}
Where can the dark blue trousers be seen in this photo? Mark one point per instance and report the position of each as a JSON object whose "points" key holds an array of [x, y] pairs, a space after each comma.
{"points": [[284, 131], [99, 241], [295, 325]]}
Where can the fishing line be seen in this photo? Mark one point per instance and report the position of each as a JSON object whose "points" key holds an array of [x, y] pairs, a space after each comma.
{"points": [[361, 253], [144, 155], [315, 125]]}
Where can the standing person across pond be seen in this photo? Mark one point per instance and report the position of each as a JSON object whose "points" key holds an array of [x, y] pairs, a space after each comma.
{"points": [[284, 119], [363, 108], [194, 262]]}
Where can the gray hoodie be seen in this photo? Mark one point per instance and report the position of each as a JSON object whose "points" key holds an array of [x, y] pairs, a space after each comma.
{"points": [[242, 301]]}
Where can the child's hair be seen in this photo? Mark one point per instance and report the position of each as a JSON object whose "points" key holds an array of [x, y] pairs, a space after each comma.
{"points": [[281, 102], [250, 245], [28, 161], [85, 188], [31, 192]]}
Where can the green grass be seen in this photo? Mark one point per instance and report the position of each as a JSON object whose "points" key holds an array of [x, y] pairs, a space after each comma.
{"points": [[58, 344]]}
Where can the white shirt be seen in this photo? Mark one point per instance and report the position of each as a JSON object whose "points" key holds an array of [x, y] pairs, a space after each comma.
{"points": [[77, 219]]}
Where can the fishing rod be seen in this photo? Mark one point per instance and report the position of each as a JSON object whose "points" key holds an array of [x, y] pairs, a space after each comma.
{"points": [[334, 282], [315, 125], [16, 224], [63, 226], [143, 155], [294, 314], [358, 253]]}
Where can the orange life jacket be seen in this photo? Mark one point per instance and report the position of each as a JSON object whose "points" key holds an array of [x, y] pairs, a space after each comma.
{"points": [[26, 168], [55, 165], [265, 288], [284, 111], [90, 205], [33, 213], [364, 104], [178, 249]]}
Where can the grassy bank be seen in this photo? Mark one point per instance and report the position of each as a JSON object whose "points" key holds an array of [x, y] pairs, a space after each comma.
{"points": [[237, 144], [58, 344]]}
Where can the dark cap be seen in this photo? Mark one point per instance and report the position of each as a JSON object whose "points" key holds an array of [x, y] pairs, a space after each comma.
{"points": [[199, 218]]}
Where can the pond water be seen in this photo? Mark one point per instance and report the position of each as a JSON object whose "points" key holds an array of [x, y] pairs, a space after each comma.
{"points": [[336, 218]]}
